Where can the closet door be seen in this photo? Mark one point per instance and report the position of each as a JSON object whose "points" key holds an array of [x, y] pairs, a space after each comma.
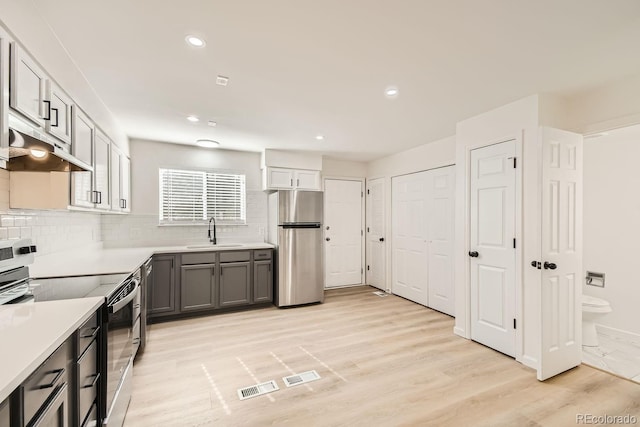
{"points": [[409, 243], [376, 244], [440, 199]]}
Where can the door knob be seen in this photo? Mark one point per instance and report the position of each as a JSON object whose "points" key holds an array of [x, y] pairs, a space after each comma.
{"points": [[473, 254], [382, 239], [549, 266], [327, 239]]}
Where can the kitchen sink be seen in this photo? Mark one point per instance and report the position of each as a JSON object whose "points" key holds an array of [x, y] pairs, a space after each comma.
{"points": [[227, 245]]}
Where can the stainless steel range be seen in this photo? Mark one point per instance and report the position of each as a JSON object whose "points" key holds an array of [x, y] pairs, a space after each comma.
{"points": [[122, 293]]}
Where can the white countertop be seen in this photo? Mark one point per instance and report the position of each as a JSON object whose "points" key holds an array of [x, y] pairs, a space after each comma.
{"points": [[30, 332], [92, 261]]}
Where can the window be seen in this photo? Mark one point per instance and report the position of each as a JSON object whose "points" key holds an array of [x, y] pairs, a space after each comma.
{"points": [[192, 197]]}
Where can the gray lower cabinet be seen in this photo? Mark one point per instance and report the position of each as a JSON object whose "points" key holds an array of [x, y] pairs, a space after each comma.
{"points": [[162, 295], [5, 413], [262, 281], [198, 287], [208, 281], [235, 283]]}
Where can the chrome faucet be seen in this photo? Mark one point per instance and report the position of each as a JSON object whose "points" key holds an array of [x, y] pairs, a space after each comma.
{"points": [[212, 240]]}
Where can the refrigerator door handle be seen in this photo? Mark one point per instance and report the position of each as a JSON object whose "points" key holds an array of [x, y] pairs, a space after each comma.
{"points": [[301, 225]]}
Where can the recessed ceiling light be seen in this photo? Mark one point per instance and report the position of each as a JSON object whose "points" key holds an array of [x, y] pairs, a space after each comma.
{"points": [[319, 137], [222, 80], [195, 41], [207, 143], [212, 123], [391, 92], [193, 119]]}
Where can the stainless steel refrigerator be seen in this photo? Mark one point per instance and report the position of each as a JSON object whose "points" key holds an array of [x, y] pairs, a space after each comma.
{"points": [[295, 228]]}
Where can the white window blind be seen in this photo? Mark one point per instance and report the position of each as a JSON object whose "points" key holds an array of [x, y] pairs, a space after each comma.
{"points": [[188, 196]]}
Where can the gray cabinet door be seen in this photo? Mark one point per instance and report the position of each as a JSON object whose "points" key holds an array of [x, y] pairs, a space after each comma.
{"points": [[162, 292], [5, 414], [198, 287], [262, 281], [235, 283]]}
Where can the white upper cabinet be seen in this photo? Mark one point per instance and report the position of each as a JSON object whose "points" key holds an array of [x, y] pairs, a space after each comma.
{"points": [[27, 86], [102, 153], [307, 180], [59, 106], [120, 180], [82, 148], [125, 183], [291, 179], [4, 95]]}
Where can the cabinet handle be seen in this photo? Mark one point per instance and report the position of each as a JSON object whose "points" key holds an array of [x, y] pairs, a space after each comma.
{"points": [[99, 197], [55, 125], [96, 377], [48, 110], [92, 334], [292, 182], [59, 373]]}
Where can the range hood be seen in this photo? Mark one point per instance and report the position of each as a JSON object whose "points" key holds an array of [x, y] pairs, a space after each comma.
{"points": [[33, 151]]}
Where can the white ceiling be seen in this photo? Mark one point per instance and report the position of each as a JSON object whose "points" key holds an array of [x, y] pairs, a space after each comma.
{"points": [[299, 68]]}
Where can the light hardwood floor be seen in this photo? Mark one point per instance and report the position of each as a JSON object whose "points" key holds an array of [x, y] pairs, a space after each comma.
{"points": [[383, 362]]}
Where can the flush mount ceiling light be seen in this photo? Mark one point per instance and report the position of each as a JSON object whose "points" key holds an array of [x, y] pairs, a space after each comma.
{"points": [[596, 135], [212, 123], [207, 143], [195, 41], [222, 80], [391, 92], [193, 119], [320, 137]]}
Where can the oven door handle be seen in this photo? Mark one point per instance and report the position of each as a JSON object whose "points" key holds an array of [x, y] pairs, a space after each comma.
{"points": [[126, 300]]}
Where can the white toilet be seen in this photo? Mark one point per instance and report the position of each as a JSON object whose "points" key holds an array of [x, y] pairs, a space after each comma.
{"points": [[592, 309]]}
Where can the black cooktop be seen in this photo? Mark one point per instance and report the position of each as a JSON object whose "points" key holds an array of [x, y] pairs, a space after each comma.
{"points": [[76, 287]]}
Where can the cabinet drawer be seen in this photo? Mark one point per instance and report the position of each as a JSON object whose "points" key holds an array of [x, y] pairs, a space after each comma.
{"points": [[235, 256], [87, 333], [46, 380], [199, 258], [88, 379], [262, 254]]}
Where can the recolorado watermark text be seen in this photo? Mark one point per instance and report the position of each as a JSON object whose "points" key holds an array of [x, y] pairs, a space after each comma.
{"points": [[605, 419]]}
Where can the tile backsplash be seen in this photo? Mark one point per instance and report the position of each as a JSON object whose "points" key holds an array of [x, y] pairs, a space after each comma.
{"points": [[51, 231], [143, 230], [54, 231]]}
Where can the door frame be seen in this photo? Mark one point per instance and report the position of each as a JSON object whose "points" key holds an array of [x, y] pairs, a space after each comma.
{"points": [[466, 270], [362, 233]]}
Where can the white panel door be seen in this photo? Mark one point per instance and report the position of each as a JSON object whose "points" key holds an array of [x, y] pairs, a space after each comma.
{"points": [[409, 242], [491, 252], [561, 290], [343, 232], [375, 234], [441, 237]]}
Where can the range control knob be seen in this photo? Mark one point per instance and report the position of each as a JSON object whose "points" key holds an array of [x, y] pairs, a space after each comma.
{"points": [[33, 249], [24, 250]]}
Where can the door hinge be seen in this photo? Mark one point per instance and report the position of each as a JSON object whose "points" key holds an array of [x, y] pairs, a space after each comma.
{"points": [[368, 267], [514, 323], [368, 191], [361, 271], [368, 231], [514, 243], [515, 162], [361, 194]]}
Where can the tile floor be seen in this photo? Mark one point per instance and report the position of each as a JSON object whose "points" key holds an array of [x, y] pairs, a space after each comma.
{"points": [[614, 354]]}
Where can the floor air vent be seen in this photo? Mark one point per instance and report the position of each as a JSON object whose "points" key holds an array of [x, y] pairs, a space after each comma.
{"points": [[302, 378], [257, 390], [381, 294]]}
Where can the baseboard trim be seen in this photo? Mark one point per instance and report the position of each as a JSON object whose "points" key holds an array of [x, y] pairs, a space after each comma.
{"points": [[529, 362], [460, 332], [618, 333]]}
